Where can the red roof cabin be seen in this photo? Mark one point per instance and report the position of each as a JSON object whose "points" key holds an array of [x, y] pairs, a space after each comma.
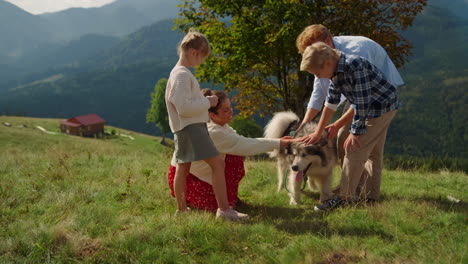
{"points": [[90, 125]]}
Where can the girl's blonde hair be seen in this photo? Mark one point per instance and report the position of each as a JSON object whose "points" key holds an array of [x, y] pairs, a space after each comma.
{"points": [[315, 55], [310, 35], [194, 40]]}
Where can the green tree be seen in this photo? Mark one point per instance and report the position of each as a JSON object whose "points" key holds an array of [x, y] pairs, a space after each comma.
{"points": [[157, 113], [246, 127], [253, 42]]}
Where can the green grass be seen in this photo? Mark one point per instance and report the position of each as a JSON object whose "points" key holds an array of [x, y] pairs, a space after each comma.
{"points": [[66, 199]]}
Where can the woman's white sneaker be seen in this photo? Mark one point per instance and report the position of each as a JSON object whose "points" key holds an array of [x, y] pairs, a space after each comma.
{"points": [[231, 214]]}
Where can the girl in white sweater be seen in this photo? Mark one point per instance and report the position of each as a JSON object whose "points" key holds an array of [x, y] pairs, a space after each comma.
{"points": [[188, 114]]}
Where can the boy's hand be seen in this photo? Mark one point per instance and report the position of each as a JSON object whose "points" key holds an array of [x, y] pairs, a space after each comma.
{"points": [[213, 100], [312, 138], [352, 143]]}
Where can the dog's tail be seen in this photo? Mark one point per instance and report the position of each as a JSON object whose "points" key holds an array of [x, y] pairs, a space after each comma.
{"points": [[278, 125]]}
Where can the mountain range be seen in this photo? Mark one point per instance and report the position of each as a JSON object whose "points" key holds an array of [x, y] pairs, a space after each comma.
{"points": [[22, 31], [111, 70], [116, 82], [117, 19]]}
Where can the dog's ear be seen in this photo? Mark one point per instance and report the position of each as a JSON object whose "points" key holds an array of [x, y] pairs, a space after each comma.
{"points": [[316, 150], [312, 149], [323, 142]]}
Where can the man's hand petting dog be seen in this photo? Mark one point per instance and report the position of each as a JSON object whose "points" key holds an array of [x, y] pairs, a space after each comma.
{"points": [[312, 138]]}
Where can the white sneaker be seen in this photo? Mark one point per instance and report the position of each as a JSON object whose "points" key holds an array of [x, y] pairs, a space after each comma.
{"points": [[231, 214]]}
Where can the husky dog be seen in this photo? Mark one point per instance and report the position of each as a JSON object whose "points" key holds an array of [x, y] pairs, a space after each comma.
{"points": [[316, 162]]}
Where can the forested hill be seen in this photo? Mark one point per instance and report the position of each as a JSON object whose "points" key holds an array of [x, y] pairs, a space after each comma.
{"points": [[433, 119], [155, 42], [117, 81]]}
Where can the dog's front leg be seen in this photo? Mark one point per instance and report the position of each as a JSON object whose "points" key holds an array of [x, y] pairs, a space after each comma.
{"points": [[294, 188]]}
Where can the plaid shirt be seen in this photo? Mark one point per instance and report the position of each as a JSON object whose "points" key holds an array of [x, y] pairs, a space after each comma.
{"points": [[366, 89]]}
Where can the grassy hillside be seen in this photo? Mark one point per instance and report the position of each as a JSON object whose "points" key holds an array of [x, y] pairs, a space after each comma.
{"points": [[121, 95], [66, 199], [432, 121]]}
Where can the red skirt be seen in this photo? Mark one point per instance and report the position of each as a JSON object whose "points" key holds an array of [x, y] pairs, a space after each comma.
{"points": [[200, 195]]}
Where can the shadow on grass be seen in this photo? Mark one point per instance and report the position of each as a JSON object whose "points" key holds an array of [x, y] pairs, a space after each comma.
{"points": [[360, 232], [311, 195], [300, 220], [271, 212], [288, 219]]}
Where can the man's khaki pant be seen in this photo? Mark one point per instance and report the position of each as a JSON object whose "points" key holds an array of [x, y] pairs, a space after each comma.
{"points": [[363, 166]]}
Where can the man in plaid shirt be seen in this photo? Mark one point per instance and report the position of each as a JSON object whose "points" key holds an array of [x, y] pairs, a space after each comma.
{"points": [[374, 101]]}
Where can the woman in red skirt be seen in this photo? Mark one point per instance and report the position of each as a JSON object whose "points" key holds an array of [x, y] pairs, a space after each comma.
{"points": [[233, 147]]}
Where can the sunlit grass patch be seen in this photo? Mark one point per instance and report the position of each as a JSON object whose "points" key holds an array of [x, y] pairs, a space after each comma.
{"points": [[66, 199]]}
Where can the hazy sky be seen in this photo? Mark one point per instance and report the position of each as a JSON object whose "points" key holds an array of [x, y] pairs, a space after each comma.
{"points": [[43, 6]]}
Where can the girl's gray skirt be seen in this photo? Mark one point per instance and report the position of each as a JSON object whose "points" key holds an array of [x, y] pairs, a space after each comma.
{"points": [[193, 143]]}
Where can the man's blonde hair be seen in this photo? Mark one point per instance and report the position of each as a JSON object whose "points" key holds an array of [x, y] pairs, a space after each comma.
{"points": [[194, 40], [315, 56], [310, 35]]}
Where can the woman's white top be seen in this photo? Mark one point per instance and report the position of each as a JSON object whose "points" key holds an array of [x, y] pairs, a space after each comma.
{"points": [[227, 141]]}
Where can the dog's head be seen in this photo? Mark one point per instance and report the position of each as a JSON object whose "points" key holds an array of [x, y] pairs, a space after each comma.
{"points": [[303, 156]]}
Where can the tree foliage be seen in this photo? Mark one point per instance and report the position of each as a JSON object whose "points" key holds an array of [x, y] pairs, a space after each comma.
{"points": [[157, 113], [246, 127], [253, 42]]}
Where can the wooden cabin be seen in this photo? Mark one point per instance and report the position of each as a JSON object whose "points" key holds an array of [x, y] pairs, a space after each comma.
{"points": [[90, 125]]}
